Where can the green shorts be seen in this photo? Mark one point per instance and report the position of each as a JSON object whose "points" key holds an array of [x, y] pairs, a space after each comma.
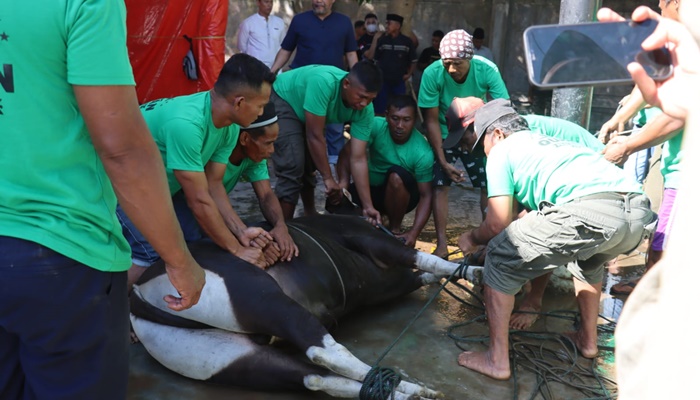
{"points": [[581, 234]]}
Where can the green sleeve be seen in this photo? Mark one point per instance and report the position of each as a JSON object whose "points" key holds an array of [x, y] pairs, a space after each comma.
{"points": [[257, 172], [500, 180], [361, 126], [429, 93], [222, 154], [424, 166], [497, 89]]}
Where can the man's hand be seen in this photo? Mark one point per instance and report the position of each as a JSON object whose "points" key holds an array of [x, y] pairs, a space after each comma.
{"points": [[409, 238], [188, 281], [672, 95], [255, 237], [271, 253], [455, 174], [373, 216], [466, 244], [616, 150], [610, 129], [288, 249], [333, 191], [252, 255]]}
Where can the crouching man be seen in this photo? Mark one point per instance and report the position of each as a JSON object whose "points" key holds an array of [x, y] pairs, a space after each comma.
{"points": [[587, 212], [395, 177]]}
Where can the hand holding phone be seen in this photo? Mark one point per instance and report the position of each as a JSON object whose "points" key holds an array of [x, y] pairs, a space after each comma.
{"points": [[676, 94], [591, 54]]}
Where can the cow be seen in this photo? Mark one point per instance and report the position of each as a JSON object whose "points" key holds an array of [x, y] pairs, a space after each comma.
{"points": [[344, 263]]}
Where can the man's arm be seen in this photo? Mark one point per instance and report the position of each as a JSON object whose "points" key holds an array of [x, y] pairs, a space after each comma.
{"points": [[271, 210], [360, 175], [280, 60], [196, 189], [316, 139], [497, 219], [135, 168], [432, 124], [411, 69], [655, 132], [630, 106], [352, 58], [256, 237], [425, 190], [243, 35], [370, 53]]}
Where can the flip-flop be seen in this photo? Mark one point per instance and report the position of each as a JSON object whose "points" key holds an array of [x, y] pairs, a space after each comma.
{"points": [[629, 284]]}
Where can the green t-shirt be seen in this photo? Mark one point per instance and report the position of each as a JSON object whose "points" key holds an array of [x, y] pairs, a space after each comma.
{"points": [[251, 170], [562, 129], [645, 115], [437, 88], [186, 136], [535, 168], [415, 156], [316, 89], [55, 191]]}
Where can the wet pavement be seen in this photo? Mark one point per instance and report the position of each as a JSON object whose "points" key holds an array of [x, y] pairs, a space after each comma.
{"points": [[425, 353]]}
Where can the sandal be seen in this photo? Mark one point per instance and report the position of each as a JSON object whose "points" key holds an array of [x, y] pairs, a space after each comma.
{"points": [[623, 288]]}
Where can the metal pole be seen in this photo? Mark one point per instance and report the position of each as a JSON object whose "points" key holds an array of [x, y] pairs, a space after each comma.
{"points": [[575, 104]]}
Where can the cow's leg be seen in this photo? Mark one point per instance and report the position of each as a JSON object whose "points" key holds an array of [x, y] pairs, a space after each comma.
{"points": [[438, 266], [337, 358], [220, 356]]}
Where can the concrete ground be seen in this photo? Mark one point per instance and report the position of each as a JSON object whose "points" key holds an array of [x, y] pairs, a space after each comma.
{"points": [[425, 353]]}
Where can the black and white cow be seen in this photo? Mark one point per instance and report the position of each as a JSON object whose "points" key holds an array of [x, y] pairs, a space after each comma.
{"points": [[344, 263]]}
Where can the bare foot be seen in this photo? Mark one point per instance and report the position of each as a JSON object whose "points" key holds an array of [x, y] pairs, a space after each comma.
{"points": [[441, 252], [587, 348], [480, 361], [523, 319]]}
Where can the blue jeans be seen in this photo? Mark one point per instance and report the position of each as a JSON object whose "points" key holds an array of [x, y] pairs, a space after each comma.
{"points": [[64, 326], [142, 253], [637, 165], [334, 141]]}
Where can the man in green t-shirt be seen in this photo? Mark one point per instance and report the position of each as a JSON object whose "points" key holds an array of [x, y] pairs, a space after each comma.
{"points": [[397, 175], [589, 211], [306, 99], [460, 74], [249, 160], [196, 135], [72, 142]]}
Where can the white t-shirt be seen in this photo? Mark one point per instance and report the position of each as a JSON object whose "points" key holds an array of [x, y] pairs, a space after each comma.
{"points": [[484, 52], [260, 37]]}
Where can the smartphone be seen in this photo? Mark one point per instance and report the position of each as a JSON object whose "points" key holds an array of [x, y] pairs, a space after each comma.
{"points": [[591, 54]]}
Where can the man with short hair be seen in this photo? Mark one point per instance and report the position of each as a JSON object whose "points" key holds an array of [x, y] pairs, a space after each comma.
{"points": [[320, 36], [306, 99], [396, 56], [589, 212], [461, 74], [359, 31], [73, 144], [431, 53], [396, 175], [261, 34], [479, 49], [249, 160], [196, 135]]}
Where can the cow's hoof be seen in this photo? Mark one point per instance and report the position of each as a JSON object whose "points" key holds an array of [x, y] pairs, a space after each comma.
{"points": [[475, 275]]}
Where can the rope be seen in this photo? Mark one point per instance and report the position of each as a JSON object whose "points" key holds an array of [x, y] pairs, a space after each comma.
{"points": [[340, 277], [369, 390]]}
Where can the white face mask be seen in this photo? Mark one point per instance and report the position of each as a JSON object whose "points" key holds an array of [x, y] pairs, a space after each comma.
{"points": [[371, 28]]}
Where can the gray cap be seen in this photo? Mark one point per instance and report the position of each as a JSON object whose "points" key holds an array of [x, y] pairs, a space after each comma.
{"points": [[488, 114]]}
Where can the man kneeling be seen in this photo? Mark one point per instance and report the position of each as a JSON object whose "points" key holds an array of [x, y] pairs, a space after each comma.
{"points": [[588, 212], [396, 176]]}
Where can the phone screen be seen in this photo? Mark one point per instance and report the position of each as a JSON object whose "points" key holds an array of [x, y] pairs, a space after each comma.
{"points": [[591, 54]]}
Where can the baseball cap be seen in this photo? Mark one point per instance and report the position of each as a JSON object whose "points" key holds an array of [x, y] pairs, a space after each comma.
{"points": [[459, 116], [488, 114]]}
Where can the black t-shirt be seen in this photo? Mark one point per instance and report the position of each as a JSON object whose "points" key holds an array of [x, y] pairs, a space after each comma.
{"points": [[428, 56], [395, 56], [363, 44]]}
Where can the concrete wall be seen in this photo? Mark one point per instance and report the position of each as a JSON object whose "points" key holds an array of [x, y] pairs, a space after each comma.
{"points": [[503, 20]]}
